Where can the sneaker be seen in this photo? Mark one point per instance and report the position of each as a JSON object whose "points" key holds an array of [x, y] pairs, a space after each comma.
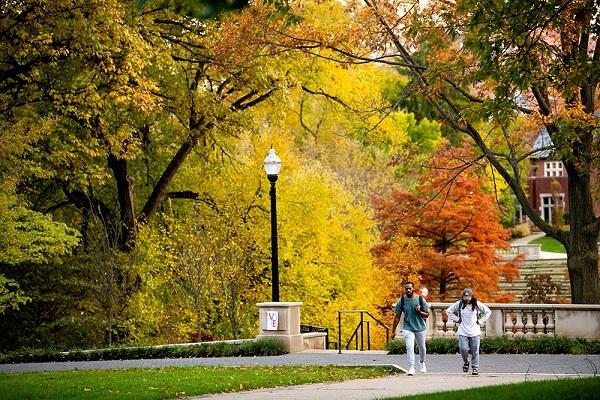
{"points": [[475, 372], [422, 368], [466, 367], [411, 371]]}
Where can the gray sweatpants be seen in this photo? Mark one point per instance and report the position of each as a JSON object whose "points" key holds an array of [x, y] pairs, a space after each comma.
{"points": [[466, 344]]}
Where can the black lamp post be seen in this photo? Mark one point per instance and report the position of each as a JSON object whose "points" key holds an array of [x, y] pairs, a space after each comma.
{"points": [[272, 166]]}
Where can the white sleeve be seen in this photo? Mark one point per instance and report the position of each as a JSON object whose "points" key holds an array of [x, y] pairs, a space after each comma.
{"points": [[486, 313], [451, 310]]}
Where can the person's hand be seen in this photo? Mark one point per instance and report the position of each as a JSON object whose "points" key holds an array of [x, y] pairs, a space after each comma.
{"points": [[418, 308]]}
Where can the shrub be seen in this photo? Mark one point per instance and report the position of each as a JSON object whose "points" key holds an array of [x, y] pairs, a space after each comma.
{"points": [[442, 346], [263, 347], [500, 344], [266, 347], [507, 345], [396, 346], [521, 230], [541, 289]]}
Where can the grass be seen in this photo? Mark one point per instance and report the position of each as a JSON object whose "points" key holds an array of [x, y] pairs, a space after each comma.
{"points": [[168, 383], [582, 389], [549, 244]]}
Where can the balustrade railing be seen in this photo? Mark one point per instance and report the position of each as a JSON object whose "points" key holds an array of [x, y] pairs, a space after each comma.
{"points": [[533, 322], [525, 320], [442, 326]]}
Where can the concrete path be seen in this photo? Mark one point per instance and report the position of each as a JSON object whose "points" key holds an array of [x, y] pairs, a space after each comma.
{"points": [[380, 388], [543, 254], [437, 363], [527, 239]]}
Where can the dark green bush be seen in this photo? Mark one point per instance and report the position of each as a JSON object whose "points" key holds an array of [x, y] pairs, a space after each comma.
{"points": [[506, 345], [442, 346], [264, 347], [396, 347], [500, 344]]}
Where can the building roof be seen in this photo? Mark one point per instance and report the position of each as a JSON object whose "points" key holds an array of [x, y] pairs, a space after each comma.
{"points": [[543, 140]]}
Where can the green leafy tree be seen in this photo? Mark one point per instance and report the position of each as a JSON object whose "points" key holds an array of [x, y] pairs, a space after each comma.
{"points": [[27, 236], [495, 60], [212, 8]]}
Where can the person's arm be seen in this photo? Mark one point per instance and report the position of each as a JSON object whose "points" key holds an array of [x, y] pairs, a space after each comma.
{"points": [[452, 313], [398, 311], [487, 313], [396, 321], [425, 311]]}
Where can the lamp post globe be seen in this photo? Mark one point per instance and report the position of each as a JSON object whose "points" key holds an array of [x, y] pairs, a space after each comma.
{"points": [[272, 165]]}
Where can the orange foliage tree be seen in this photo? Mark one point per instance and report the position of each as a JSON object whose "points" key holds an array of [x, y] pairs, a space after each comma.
{"points": [[457, 225], [397, 260]]}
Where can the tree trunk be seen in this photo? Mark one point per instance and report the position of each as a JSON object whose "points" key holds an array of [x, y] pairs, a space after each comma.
{"points": [[198, 325], [124, 182], [582, 242], [583, 272]]}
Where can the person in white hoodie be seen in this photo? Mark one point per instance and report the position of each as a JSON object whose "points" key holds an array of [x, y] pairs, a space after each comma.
{"points": [[469, 314]]}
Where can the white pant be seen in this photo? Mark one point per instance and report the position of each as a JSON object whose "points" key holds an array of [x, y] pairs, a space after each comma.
{"points": [[410, 346]]}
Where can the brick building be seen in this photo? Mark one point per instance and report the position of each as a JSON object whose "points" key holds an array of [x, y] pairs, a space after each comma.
{"points": [[548, 184]]}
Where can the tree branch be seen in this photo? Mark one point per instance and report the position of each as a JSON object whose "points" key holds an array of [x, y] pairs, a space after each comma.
{"points": [[185, 194], [330, 97], [240, 105]]}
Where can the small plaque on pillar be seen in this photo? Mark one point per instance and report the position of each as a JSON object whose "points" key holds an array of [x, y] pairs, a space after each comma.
{"points": [[272, 320]]}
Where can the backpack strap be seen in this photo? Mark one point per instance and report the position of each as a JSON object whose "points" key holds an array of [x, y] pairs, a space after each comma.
{"points": [[402, 303]]}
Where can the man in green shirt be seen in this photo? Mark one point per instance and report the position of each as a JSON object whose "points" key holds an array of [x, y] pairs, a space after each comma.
{"points": [[415, 310]]}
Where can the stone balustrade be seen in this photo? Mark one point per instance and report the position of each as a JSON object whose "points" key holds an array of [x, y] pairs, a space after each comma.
{"points": [[528, 250], [525, 320]]}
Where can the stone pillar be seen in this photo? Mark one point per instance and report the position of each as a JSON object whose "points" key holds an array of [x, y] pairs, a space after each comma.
{"points": [[495, 325], [281, 321]]}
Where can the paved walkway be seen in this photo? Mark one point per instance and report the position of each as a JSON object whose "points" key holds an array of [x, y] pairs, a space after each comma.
{"points": [[527, 239], [437, 363], [443, 372], [367, 389], [543, 254]]}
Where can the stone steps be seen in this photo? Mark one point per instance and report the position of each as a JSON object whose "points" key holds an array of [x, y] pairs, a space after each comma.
{"points": [[557, 269]]}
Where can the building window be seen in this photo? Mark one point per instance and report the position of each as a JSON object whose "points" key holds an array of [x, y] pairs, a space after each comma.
{"points": [[553, 168], [547, 207]]}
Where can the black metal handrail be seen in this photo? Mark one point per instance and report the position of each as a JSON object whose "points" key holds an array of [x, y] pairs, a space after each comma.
{"points": [[355, 336], [359, 327]]}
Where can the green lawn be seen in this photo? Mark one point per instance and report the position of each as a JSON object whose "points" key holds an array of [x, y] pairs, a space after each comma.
{"points": [[562, 389], [549, 244], [168, 383]]}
